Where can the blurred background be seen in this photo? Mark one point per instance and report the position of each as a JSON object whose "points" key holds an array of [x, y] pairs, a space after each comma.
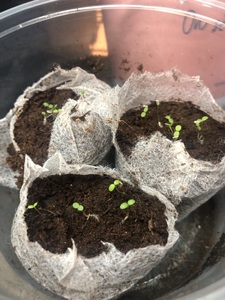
{"points": [[6, 4]]}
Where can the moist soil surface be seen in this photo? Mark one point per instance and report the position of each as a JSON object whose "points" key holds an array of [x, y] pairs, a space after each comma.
{"points": [[31, 133], [207, 144], [54, 221]]}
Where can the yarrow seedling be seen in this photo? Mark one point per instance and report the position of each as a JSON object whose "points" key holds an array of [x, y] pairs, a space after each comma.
{"points": [[125, 205], [144, 112], [51, 110], [78, 206], [177, 130], [31, 206], [199, 121], [113, 185], [199, 128], [170, 123], [82, 92]]}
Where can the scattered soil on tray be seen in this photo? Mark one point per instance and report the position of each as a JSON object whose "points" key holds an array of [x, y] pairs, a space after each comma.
{"points": [[207, 144], [54, 221], [32, 135]]}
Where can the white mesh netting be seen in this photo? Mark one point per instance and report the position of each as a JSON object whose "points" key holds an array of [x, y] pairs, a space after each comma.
{"points": [[79, 131], [163, 164]]}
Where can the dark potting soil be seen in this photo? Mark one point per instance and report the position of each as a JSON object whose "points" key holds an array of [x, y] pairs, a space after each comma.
{"points": [[207, 144], [54, 221], [31, 134]]}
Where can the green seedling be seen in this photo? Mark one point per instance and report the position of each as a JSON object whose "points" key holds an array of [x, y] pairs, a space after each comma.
{"points": [[170, 122], [82, 92], [177, 130], [144, 112], [125, 205], [78, 206], [31, 206], [113, 185], [199, 121], [51, 110]]}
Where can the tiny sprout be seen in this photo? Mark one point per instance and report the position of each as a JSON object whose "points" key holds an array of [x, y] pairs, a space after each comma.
{"points": [[170, 124], [199, 121], [51, 109], [82, 92], [144, 112], [78, 206], [45, 104], [125, 205], [113, 185], [177, 130], [31, 206]]}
